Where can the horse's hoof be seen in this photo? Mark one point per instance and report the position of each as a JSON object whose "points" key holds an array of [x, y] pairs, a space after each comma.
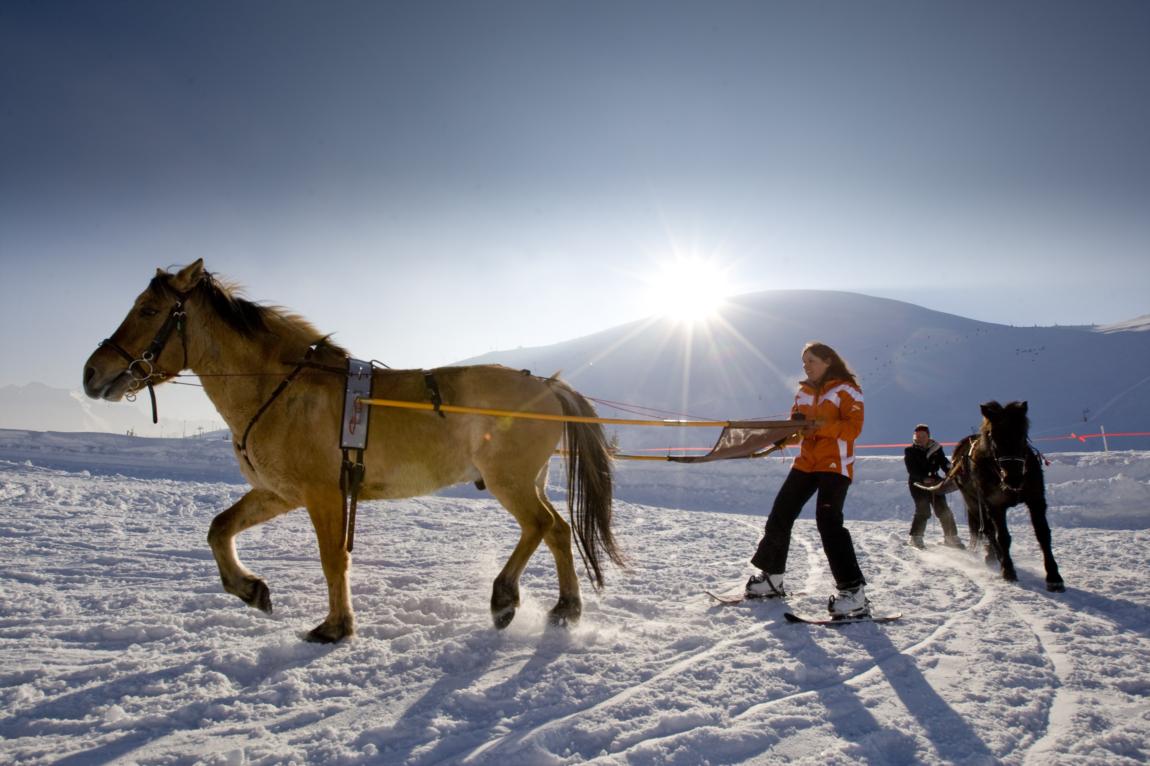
{"points": [[502, 617], [254, 593], [1056, 587], [261, 597], [504, 602], [1010, 576], [565, 612], [562, 620], [328, 633]]}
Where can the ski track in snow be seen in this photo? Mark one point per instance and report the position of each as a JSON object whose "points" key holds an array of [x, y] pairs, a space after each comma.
{"points": [[117, 644]]}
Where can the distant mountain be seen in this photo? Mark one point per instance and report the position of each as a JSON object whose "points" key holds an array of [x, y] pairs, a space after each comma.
{"points": [[208, 457], [1137, 324], [37, 407], [915, 365]]}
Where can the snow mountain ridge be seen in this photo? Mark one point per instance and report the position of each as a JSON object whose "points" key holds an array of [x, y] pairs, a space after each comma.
{"points": [[914, 364]]}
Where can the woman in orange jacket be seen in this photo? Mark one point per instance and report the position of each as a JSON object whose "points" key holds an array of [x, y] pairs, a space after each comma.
{"points": [[831, 398]]}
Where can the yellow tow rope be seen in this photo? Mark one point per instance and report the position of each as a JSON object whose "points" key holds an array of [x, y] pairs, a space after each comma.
{"points": [[587, 419], [574, 418]]}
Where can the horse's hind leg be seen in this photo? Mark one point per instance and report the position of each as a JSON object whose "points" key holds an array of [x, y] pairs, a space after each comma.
{"points": [[569, 607], [327, 518], [535, 521], [982, 529], [988, 539], [256, 507], [1054, 581]]}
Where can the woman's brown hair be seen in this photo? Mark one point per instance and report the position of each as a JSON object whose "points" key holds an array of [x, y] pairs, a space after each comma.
{"points": [[837, 368]]}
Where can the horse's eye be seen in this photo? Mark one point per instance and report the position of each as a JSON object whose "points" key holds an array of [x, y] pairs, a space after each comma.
{"points": [[148, 313]]}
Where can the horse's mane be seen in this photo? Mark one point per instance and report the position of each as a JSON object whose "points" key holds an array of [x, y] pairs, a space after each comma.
{"points": [[247, 318], [984, 429]]}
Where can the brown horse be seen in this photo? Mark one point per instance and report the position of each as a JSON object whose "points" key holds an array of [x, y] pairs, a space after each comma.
{"points": [[279, 386]]}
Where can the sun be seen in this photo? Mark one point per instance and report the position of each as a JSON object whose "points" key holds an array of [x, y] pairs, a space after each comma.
{"points": [[687, 289]]}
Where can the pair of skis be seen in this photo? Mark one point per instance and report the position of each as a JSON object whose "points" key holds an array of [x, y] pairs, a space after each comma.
{"points": [[731, 599]]}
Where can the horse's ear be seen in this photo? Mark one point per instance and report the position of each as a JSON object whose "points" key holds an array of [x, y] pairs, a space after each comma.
{"points": [[188, 277], [1022, 406], [990, 409]]}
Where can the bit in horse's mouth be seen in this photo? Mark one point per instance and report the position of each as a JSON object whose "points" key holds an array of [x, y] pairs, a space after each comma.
{"points": [[114, 390]]}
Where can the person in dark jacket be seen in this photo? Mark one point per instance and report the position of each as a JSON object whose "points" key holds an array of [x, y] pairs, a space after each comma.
{"points": [[926, 463]]}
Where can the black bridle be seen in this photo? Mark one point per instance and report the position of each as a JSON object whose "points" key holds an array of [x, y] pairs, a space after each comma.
{"points": [[1001, 462], [142, 368]]}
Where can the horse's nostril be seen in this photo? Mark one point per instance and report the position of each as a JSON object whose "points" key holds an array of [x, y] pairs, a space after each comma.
{"points": [[89, 373]]}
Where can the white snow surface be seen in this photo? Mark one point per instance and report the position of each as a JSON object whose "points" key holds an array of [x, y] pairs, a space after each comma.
{"points": [[118, 645]]}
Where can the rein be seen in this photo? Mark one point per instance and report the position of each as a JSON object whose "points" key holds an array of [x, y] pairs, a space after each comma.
{"points": [[242, 444]]}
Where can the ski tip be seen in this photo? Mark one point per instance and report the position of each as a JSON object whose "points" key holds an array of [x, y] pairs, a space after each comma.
{"points": [[740, 597], [726, 598]]}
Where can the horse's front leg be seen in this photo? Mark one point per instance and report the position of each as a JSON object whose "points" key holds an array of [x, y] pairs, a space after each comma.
{"points": [[327, 519], [1037, 509], [974, 521], [1001, 543], [982, 534], [256, 507]]}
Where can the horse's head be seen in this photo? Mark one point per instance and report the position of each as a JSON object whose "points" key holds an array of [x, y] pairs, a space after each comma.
{"points": [[141, 351], [1005, 433]]}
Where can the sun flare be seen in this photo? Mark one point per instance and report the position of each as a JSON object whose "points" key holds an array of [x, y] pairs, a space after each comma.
{"points": [[687, 289]]}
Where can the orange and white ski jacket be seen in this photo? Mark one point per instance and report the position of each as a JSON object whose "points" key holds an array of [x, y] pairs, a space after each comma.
{"points": [[839, 408]]}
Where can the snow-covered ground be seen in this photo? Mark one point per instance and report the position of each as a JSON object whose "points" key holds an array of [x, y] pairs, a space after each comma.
{"points": [[117, 644]]}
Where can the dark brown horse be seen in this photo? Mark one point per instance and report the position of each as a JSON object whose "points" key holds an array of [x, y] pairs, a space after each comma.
{"points": [[288, 443], [996, 470]]}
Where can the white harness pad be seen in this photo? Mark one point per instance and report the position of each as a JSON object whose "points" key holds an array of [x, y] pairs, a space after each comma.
{"points": [[356, 415]]}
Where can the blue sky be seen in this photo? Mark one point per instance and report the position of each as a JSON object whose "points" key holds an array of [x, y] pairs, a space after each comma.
{"points": [[436, 180]]}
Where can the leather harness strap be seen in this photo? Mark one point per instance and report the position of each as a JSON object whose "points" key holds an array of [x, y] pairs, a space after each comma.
{"points": [[242, 444], [433, 391], [353, 439]]}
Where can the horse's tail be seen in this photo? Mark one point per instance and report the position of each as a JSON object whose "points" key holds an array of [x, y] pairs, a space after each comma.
{"points": [[589, 483]]}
